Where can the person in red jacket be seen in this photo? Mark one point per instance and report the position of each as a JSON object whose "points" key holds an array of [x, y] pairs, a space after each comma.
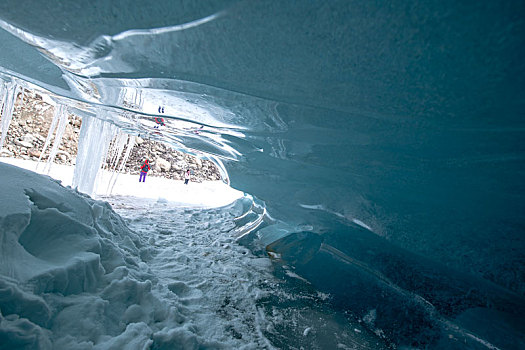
{"points": [[143, 171], [159, 121]]}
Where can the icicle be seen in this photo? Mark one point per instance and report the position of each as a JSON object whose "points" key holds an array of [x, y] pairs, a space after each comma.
{"points": [[95, 136], [122, 143], [131, 143], [121, 140], [61, 113], [138, 98], [118, 146], [112, 150], [54, 122], [111, 134], [3, 95], [122, 100], [9, 93], [3, 89]]}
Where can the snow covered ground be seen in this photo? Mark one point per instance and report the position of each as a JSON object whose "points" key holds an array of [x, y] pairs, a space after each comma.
{"points": [[74, 274], [206, 194]]}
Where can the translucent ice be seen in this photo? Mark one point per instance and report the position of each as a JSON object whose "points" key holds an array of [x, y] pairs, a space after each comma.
{"points": [[61, 114], [94, 139], [8, 94]]}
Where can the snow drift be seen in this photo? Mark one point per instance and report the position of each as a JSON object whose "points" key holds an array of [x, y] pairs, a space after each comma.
{"points": [[56, 241], [73, 275]]}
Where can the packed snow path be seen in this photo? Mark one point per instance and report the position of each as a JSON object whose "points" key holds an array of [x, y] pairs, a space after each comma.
{"points": [[226, 294], [213, 281]]}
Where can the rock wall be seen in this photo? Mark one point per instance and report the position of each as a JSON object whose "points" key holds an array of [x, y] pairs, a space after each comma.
{"points": [[31, 122]]}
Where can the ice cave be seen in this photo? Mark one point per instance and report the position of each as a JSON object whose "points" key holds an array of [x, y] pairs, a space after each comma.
{"points": [[372, 165]]}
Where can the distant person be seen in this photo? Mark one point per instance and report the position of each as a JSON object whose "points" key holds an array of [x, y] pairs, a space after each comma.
{"points": [[187, 176], [159, 121], [144, 171]]}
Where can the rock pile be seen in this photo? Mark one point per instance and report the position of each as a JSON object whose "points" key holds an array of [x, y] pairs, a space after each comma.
{"points": [[29, 128], [31, 122], [166, 162]]}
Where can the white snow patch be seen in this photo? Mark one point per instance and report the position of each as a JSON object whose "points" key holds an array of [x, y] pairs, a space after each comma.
{"points": [[207, 194]]}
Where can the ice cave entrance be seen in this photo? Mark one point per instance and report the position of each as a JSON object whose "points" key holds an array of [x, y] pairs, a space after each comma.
{"points": [[39, 132]]}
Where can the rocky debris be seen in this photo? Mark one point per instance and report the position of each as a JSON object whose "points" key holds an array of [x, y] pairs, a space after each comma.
{"points": [[163, 164], [23, 143], [31, 122], [63, 155], [169, 163], [6, 153], [33, 153], [29, 128]]}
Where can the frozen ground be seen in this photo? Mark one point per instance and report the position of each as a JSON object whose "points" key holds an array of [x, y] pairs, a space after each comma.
{"points": [[74, 274]]}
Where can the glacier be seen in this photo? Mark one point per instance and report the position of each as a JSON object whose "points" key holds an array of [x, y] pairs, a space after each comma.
{"points": [[381, 144]]}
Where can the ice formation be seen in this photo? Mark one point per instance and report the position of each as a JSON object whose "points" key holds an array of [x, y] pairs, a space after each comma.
{"points": [[382, 143], [55, 240], [94, 140], [61, 114], [8, 94], [122, 140], [52, 128]]}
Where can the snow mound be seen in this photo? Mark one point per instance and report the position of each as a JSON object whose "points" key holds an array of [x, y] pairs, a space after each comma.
{"points": [[72, 274]]}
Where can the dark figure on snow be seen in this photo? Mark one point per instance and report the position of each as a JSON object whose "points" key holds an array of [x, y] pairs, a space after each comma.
{"points": [[159, 121], [187, 176], [143, 171]]}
